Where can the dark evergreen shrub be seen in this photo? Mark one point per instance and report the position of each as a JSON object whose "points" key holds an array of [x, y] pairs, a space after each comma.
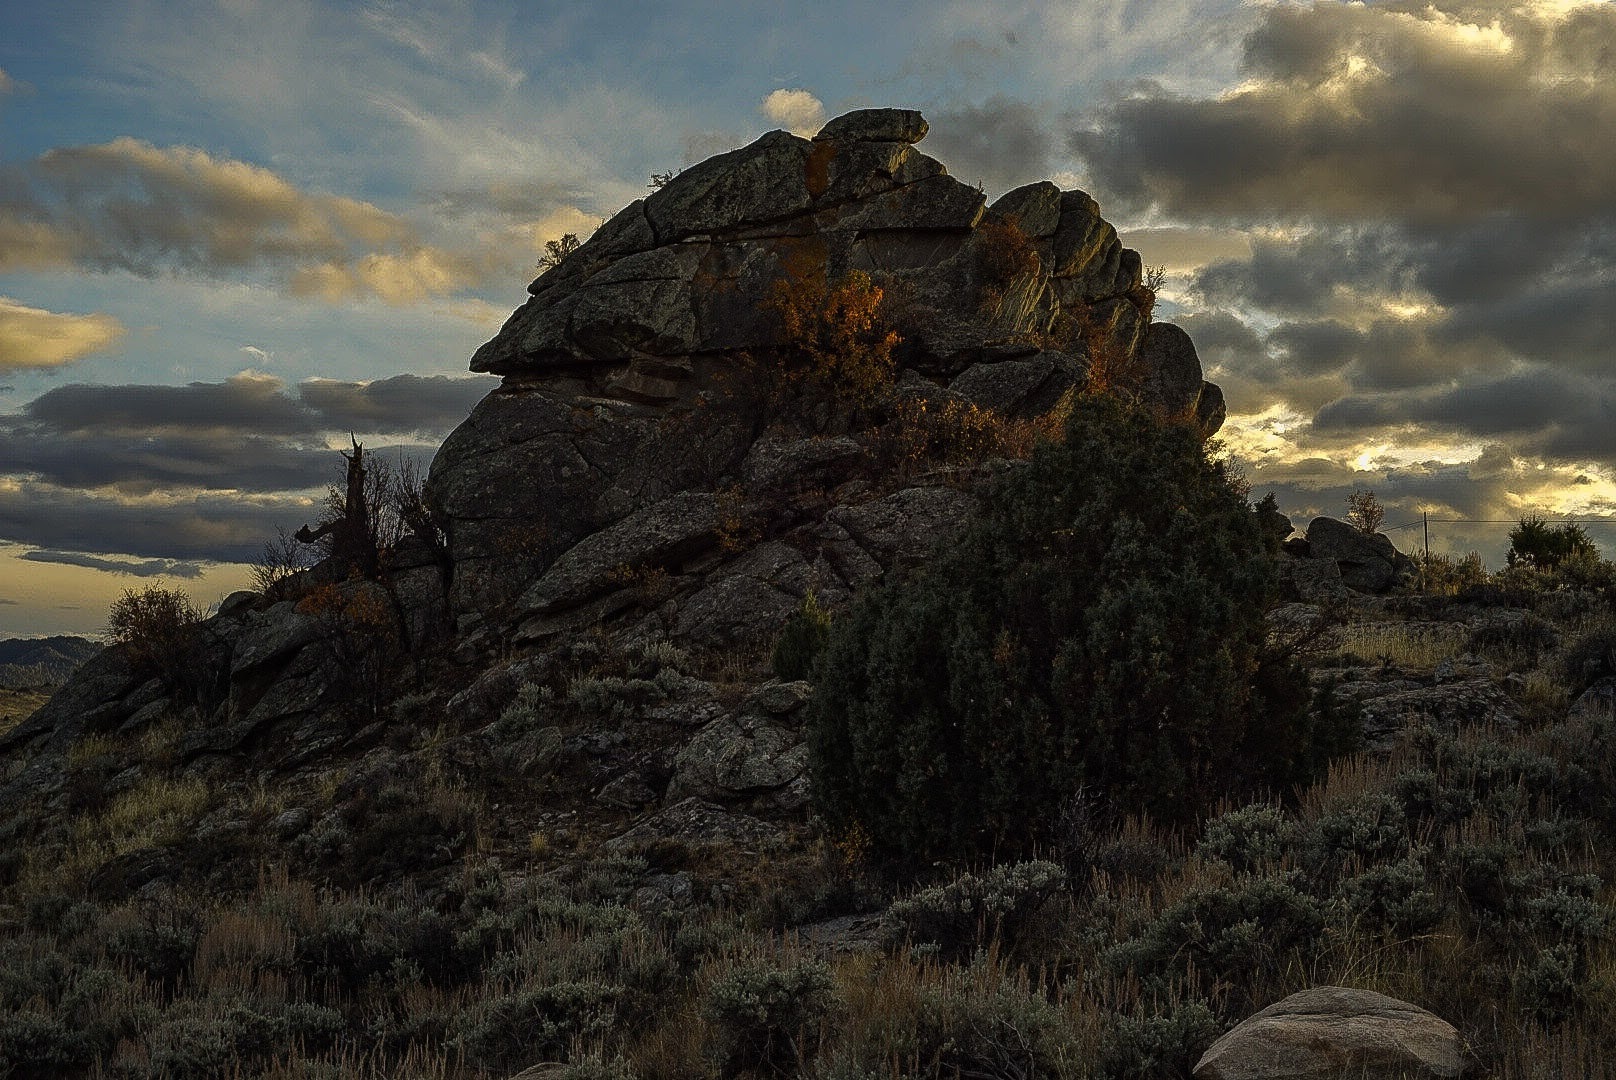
{"points": [[1535, 542], [1591, 657], [1100, 626], [801, 640]]}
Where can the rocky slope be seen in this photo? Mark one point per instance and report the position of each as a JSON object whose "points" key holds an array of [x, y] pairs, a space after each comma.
{"points": [[654, 477]]}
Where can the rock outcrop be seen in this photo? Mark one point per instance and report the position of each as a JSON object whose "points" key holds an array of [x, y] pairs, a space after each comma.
{"points": [[1333, 554], [630, 461], [662, 464], [1333, 1031]]}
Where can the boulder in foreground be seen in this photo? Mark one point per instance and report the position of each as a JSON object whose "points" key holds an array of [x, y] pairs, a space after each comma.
{"points": [[1332, 1032]]}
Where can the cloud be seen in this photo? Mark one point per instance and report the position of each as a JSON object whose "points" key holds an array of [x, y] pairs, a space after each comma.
{"points": [[144, 568], [395, 279], [1000, 144], [205, 527], [8, 85], [34, 338], [1557, 416], [424, 405], [248, 434], [1432, 230], [131, 206], [1184, 249], [798, 111], [1411, 112]]}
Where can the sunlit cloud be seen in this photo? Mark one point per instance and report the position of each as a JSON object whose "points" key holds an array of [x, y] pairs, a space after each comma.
{"points": [[34, 338], [1183, 249], [129, 205], [798, 111], [392, 278], [133, 567]]}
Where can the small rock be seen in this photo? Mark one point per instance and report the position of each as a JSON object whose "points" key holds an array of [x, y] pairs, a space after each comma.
{"points": [[1368, 563], [848, 934], [1598, 700], [238, 601], [546, 1070], [1462, 667], [735, 758], [627, 792], [663, 893], [779, 698], [697, 821], [291, 822], [1175, 380]]}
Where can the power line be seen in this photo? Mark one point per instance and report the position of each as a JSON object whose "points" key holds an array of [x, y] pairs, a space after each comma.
{"points": [[1491, 521]]}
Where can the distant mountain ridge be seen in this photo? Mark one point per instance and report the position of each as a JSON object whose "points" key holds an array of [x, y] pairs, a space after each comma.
{"points": [[39, 661]]}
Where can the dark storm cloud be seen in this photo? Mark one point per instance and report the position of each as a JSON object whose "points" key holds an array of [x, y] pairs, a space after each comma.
{"points": [[248, 403], [403, 403], [144, 568], [248, 433], [1401, 111], [257, 404], [1220, 337], [1556, 415], [204, 527], [134, 462], [1568, 323], [1300, 276], [1000, 144], [1313, 348], [1433, 208]]}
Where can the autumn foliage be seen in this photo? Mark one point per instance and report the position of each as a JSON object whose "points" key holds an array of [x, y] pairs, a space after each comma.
{"points": [[157, 628], [835, 330]]}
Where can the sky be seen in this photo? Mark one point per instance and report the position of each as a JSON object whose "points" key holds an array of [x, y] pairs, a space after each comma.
{"points": [[233, 232]]}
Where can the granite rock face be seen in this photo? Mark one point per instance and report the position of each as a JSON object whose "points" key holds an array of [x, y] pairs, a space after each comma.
{"points": [[625, 373]]}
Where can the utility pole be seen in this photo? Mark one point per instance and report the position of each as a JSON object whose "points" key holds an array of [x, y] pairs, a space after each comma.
{"points": [[1425, 516]]}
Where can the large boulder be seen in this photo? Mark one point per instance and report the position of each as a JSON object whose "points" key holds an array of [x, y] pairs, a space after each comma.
{"points": [[754, 753], [1368, 561], [1330, 1032], [644, 371], [1174, 383]]}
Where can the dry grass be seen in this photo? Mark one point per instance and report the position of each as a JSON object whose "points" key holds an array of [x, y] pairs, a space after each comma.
{"points": [[18, 705], [92, 747], [1413, 647], [157, 812]]}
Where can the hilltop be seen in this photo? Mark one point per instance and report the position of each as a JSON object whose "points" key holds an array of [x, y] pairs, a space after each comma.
{"points": [[28, 662], [521, 773]]}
